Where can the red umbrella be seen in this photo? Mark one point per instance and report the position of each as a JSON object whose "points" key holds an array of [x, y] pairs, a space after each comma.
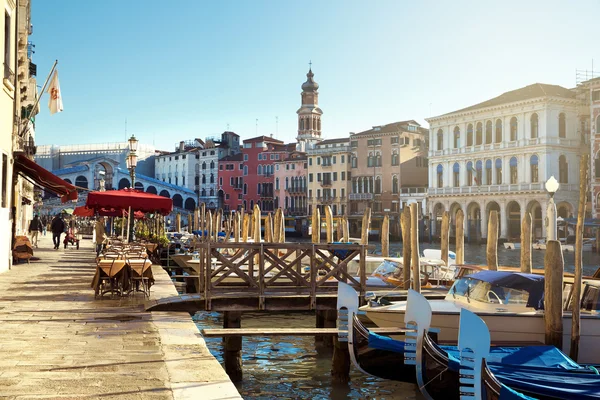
{"points": [[125, 198], [85, 211]]}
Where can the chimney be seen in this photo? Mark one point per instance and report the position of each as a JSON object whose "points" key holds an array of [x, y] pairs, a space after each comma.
{"points": [[181, 146]]}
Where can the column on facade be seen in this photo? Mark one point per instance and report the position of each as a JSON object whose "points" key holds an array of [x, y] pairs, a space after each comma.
{"points": [[484, 219], [504, 220]]}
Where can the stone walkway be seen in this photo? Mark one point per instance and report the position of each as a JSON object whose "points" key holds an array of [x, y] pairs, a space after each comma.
{"points": [[58, 342]]}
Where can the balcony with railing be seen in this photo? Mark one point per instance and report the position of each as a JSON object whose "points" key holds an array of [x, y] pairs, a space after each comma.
{"points": [[412, 191], [296, 189], [266, 193], [499, 189], [297, 211], [326, 182], [360, 196]]}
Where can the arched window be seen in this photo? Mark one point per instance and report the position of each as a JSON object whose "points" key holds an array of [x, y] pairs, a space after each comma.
{"points": [[245, 170], [212, 179], [597, 165], [203, 193], [456, 137], [498, 131], [534, 126], [395, 184], [498, 171], [456, 174], [562, 125], [245, 188], [259, 170], [598, 125], [440, 139], [533, 163], [514, 177], [354, 162], [378, 185], [319, 124], [488, 132], [479, 176], [203, 178], [440, 176], [378, 159], [488, 172], [563, 169], [300, 124], [370, 160], [469, 173], [470, 135], [212, 192], [513, 129], [479, 134], [287, 183], [395, 158], [203, 165], [276, 183]]}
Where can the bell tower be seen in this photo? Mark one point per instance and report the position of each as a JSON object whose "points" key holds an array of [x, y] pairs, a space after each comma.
{"points": [[309, 115]]}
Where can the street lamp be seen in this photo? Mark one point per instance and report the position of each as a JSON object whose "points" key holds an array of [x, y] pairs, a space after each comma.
{"points": [[131, 162], [552, 186]]}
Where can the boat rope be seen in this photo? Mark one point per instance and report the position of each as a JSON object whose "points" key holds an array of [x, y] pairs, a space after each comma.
{"points": [[431, 380]]}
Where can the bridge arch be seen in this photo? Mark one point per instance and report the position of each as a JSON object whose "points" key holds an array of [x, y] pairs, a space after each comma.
{"points": [[81, 181], [177, 201], [151, 189], [139, 186], [165, 193], [190, 204], [124, 183]]}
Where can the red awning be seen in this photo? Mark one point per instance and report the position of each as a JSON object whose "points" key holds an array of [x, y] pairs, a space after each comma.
{"points": [[125, 198], [85, 211], [45, 178]]}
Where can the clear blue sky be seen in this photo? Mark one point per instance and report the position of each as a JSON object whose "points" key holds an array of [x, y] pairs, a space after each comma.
{"points": [[185, 72]]}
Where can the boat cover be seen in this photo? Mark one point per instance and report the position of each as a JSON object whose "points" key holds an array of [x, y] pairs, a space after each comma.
{"points": [[507, 393], [533, 284], [381, 342]]}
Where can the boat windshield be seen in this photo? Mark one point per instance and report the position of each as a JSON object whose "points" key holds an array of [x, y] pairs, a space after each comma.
{"points": [[487, 292], [387, 268]]}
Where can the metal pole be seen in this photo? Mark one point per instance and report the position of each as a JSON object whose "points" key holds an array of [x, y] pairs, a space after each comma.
{"points": [[37, 101], [131, 219]]}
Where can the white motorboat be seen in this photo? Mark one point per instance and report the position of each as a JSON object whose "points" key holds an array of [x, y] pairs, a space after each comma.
{"points": [[512, 245], [511, 304]]}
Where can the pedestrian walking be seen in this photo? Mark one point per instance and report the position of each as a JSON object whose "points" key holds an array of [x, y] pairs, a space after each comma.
{"points": [[100, 233], [35, 227], [57, 227]]}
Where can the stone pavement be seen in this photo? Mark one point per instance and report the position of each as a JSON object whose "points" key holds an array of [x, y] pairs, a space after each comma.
{"points": [[58, 342]]}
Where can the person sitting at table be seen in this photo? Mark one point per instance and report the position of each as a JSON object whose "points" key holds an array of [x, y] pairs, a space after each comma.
{"points": [[100, 232]]}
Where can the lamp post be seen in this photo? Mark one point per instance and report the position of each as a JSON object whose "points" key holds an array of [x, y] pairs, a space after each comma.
{"points": [[131, 164], [552, 186]]}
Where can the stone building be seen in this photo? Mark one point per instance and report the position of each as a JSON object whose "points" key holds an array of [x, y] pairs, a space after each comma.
{"points": [[309, 115], [231, 181], [589, 92], [329, 175], [387, 160], [290, 184], [497, 155]]}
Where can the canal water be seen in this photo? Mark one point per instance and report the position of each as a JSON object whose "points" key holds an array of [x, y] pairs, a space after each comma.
{"points": [[292, 368]]}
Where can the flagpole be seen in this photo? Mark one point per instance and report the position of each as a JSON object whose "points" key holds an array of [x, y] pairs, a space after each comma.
{"points": [[37, 101]]}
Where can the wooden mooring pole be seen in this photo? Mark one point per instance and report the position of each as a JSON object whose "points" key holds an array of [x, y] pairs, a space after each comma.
{"points": [[328, 224], [406, 256], [445, 236], [492, 241], [554, 268], [577, 280], [414, 247], [385, 236], [316, 226], [233, 346], [366, 224], [526, 244], [460, 237]]}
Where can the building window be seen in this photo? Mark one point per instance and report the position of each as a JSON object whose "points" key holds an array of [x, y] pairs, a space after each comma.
{"points": [[470, 173], [354, 162], [395, 185], [479, 173], [309, 160], [562, 125], [456, 174], [598, 123], [470, 135], [456, 137], [440, 176], [310, 177], [378, 160], [394, 140], [488, 132], [395, 158], [596, 166], [533, 161], [259, 170], [378, 185], [245, 157], [220, 181], [203, 165], [343, 175], [4, 202], [498, 131], [212, 178], [534, 126], [203, 179], [596, 95], [7, 45], [563, 169], [479, 134], [245, 170], [440, 139], [370, 160], [334, 159], [488, 172], [245, 189], [498, 171], [318, 160], [343, 159], [276, 183], [514, 177], [513, 129]]}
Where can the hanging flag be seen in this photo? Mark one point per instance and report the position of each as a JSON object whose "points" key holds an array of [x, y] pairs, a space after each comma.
{"points": [[55, 103]]}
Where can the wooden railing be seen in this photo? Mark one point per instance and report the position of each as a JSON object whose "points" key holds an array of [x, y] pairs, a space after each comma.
{"points": [[276, 269]]}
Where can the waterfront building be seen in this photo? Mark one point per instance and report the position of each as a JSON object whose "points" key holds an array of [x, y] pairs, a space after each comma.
{"points": [[231, 182], [329, 175], [8, 97], [290, 184], [497, 155], [589, 94], [387, 160], [259, 155]]}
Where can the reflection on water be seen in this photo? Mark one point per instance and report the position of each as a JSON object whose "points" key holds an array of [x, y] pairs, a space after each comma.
{"points": [[291, 368]]}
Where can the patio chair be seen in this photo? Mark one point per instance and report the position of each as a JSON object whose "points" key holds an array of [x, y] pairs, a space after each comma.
{"points": [[138, 278], [109, 276]]}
